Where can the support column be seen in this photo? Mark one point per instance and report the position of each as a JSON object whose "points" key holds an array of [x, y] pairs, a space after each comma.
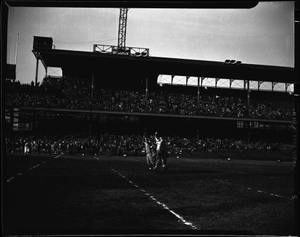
{"points": [[35, 88], [92, 88], [36, 78], [146, 90], [199, 88], [286, 86], [230, 82], [217, 79], [92, 96], [273, 85], [248, 112], [248, 95], [198, 91], [36, 71]]}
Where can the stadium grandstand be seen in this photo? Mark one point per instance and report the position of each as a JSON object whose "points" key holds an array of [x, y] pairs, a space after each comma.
{"points": [[136, 93], [76, 143]]}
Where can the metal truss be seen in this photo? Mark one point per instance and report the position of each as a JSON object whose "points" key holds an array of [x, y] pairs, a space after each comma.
{"points": [[38, 56], [122, 28], [129, 51]]}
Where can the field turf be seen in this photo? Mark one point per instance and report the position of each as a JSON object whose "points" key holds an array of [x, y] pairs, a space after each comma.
{"points": [[50, 194]]}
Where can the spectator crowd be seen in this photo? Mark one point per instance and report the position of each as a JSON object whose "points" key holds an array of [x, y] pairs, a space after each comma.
{"points": [[75, 93], [122, 144]]}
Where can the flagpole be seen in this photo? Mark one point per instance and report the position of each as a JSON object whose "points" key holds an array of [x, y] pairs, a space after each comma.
{"points": [[16, 55]]}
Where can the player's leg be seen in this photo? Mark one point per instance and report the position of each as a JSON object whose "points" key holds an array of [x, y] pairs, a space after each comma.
{"points": [[164, 159], [152, 157], [149, 162], [164, 163], [158, 159]]}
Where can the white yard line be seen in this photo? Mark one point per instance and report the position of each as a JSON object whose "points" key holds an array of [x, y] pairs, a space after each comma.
{"points": [[259, 191], [31, 168], [152, 197]]}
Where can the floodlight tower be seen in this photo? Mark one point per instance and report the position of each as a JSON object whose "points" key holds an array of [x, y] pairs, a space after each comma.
{"points": [[122, 29], [121, 48]]}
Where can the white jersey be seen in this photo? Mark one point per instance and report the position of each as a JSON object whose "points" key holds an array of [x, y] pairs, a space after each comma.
{"points": [[147, 148], [158, 143]]}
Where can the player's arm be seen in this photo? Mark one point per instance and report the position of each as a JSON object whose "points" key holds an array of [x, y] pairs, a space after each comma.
{"points": [[155, 136]]}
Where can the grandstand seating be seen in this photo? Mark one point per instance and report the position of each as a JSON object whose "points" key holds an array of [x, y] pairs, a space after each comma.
{"points": [[75, 93]]}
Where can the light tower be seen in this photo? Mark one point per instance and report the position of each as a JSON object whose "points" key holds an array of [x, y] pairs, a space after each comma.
{"points": [[122, 29], [121, 48]]}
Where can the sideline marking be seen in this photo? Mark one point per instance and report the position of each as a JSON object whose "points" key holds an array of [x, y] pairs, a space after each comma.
{"points": [[151, 197], [31, 168], [259, 191], [225, 182]]}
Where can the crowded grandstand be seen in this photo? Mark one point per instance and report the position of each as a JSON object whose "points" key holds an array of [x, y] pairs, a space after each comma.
{"points": [[88, 109], [74, 93], [71, 93]]}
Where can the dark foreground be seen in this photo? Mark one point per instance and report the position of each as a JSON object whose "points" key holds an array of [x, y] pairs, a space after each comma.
{"points": [[118, 195]]}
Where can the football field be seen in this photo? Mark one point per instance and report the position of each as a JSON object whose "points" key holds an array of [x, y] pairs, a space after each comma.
{"points": [[60, 194]]}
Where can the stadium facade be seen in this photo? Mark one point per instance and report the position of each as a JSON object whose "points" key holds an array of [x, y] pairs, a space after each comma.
{"points": [[142, 73]]}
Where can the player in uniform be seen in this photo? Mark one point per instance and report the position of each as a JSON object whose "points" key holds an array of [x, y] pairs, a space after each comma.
{"points": [[150, 155], [26, 148], [161, 156]]}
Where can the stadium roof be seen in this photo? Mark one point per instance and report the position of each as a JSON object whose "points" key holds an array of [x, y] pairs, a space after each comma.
{"points": [[89, 62]]}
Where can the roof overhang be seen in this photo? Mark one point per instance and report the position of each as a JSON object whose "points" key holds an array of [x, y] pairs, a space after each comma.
{"points": [[94, 62]]}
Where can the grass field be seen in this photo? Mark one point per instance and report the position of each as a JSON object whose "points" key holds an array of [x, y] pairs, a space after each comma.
{"points": [[48, 194]]}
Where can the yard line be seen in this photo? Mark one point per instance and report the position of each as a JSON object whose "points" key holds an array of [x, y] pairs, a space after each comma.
{"points": [[151, 197], [31, 168], [259, 191], [226, 182]]}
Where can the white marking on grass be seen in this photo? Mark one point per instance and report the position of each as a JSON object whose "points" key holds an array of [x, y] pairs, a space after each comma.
{"points": [[10, 179], [259, 191], [152, 198], [31, 168]]}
